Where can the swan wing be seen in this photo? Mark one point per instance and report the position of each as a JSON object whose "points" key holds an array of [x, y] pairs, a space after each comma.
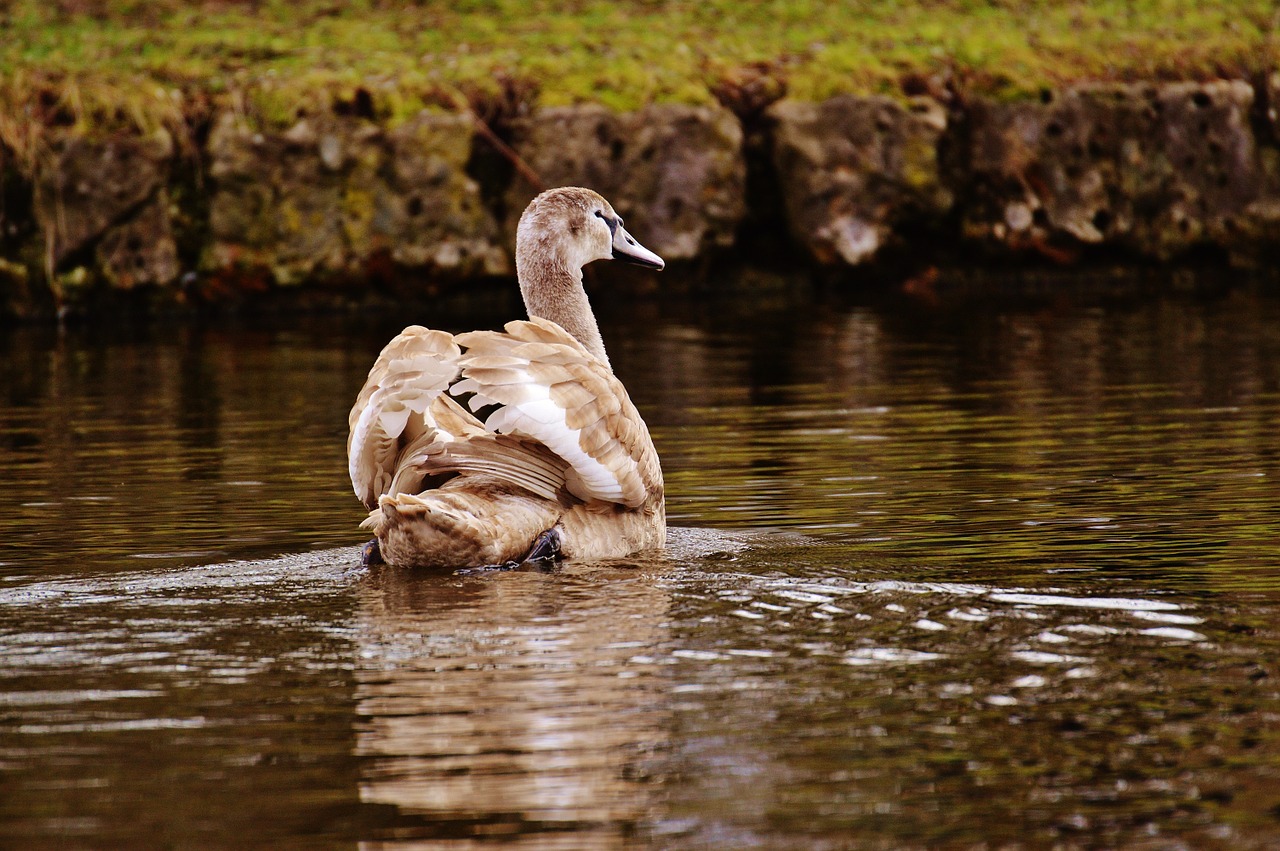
{"points": [[405, 427], [549, 389], [391, 411]]}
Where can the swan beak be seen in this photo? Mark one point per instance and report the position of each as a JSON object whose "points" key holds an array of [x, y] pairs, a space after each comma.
{"points": [[626, 248]]}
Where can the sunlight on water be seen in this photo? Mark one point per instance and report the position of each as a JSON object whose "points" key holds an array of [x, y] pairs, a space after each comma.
{"points": [[1004, 577]]}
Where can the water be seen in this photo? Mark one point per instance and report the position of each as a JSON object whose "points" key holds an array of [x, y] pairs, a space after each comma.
{"points": [[1002, 575]]}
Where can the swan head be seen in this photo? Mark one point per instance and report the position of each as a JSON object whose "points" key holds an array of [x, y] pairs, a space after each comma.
{"points": [[574, 226]]}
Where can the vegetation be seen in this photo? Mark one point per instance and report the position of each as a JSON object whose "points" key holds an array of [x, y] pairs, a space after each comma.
{"points": [[97, 63]]}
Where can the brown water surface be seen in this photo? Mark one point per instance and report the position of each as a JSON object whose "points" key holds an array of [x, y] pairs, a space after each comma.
{"points": [[1007, 574]]}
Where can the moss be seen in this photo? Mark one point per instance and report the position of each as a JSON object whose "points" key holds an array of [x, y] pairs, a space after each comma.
{"points": [[73, 286], [288, 220], [920, 169], [109, 62], [358, 209]]}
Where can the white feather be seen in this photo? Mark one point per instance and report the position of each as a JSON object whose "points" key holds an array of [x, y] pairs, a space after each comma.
{"points": [[359, 446], [393, 422], [544, 420]]}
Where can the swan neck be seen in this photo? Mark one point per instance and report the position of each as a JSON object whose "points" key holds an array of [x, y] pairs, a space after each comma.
{"points": [[554, 291]]}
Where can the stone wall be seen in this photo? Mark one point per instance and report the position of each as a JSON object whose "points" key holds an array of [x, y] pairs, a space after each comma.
{"points": [[1148, 172]]}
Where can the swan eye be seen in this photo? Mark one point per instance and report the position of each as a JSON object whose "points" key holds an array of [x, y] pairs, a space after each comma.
{"points": [[611, 222]]}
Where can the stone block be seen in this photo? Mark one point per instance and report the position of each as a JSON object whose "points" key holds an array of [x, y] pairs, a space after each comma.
{"points": [[674, 173], [1152, 169], [328, 195], [853, 169]]}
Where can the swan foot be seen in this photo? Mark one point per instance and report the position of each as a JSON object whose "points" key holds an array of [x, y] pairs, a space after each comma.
{"points": [[371, 554], [546, 548], [543, 554]]}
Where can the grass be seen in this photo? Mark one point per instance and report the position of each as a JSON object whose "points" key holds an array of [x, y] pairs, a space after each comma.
{"points": [[102, 63]]}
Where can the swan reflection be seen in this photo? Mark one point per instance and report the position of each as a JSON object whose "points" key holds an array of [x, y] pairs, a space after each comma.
{"points": [[507, 704]]}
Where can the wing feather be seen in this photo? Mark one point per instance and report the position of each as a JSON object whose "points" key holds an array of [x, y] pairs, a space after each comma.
{"points": [[564, 426], [412, 370], [567, 400]]}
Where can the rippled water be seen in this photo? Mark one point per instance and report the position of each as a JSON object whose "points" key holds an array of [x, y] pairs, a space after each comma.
{"points": [[1003, 575]]}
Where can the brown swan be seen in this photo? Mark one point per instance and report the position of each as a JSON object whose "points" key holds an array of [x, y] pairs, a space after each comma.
{"points": [[492, 448]]}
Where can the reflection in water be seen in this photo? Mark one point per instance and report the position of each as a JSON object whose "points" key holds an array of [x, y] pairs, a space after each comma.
{"points": [[908, 712], [508, 705], [190, 444], [1053, 440], [1014, 584]]}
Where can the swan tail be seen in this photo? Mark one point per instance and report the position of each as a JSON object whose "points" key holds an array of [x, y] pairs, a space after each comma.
{"points": [[488, 523]]}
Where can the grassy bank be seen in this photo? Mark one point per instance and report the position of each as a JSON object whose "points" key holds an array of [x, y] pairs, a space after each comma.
{"points": [[145, 62]]}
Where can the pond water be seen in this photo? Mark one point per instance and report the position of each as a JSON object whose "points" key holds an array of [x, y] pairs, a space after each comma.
{"points": [[1003, 574]]}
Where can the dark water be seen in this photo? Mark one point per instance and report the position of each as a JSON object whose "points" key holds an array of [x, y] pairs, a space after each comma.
{"points": [[1005, 575]]}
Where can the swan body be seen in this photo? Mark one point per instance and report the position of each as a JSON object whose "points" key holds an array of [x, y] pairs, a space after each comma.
{"points": [[488, 448]]}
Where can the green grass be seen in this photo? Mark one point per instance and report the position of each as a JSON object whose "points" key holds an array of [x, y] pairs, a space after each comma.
{"points": [[102, 62]]}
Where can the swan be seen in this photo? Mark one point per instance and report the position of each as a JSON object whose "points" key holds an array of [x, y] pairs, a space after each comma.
{"points": [[493, 449]]}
